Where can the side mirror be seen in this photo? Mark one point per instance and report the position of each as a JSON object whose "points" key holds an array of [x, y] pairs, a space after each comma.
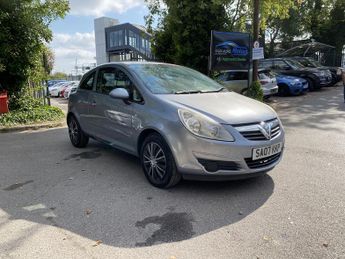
{"points": [[119, 93]]}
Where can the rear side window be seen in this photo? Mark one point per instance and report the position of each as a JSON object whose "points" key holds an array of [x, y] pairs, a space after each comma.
{"points": [[87, 84]]}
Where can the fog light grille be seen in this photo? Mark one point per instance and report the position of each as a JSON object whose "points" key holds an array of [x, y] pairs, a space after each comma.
{"points": [[216, 165]]}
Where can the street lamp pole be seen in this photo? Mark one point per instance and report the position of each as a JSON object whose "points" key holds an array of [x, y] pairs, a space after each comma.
{"points": [[256, 24]]}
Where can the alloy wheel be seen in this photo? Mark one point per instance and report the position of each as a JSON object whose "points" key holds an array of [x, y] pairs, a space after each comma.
{"points": [[155, 162], [73, 131]]}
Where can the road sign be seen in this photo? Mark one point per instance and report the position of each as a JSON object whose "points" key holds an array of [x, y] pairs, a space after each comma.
{"points": [[258, 53], [256, 44]]}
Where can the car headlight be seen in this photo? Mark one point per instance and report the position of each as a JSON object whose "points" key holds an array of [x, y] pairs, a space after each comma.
{"points": [[203, 126]]}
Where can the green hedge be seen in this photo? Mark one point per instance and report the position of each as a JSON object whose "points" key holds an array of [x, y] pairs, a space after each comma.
{"points": [[31, 116], [255, 91]]}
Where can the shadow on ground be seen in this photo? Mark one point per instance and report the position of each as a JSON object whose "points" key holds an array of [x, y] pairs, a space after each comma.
{"points": [[101, 194], [314, 110]]}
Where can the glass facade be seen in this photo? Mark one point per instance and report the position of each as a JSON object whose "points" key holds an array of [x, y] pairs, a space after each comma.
{"points": [[127, 38], [116, 38]]}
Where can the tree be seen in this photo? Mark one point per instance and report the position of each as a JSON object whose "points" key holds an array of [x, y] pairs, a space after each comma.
{"points": [[58, 75], [183, 32], [24, 31], [332, 31]]}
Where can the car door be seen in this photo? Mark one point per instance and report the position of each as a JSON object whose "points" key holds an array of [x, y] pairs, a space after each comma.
{"points": [[112, 118], [83, 101]]}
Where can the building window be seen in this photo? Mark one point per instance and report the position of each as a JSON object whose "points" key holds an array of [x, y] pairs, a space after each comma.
{"points": [[115, 39], [134, 39]]}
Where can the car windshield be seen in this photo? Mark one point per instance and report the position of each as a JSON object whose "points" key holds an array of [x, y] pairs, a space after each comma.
{"points": [[294, 63], [173, 79]]}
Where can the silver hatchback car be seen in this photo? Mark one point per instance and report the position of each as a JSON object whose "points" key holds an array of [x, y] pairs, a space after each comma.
{"points": [[179, 122]]}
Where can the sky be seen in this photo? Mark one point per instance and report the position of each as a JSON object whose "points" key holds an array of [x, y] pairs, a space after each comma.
{"points": [[73, 36]]}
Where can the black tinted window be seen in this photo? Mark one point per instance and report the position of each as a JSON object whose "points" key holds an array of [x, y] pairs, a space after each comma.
{"points": [[87, 83]]}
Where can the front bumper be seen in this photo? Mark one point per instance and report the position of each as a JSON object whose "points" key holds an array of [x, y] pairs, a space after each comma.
{"points": [[191, 152]]}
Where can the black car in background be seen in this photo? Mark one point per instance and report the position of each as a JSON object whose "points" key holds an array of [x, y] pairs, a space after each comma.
{"points": [[312, 63], [287, 66]]}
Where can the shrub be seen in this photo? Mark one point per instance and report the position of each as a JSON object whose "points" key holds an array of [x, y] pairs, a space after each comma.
{"points": [[255, 91], [31, 116]]}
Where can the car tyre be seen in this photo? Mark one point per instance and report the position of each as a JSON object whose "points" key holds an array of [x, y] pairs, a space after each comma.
{"points": [[311, 85], [158, 162], [77, 136], [283, 90]]}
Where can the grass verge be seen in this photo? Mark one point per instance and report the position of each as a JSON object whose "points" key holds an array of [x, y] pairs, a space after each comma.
{"points": [[35, 115]]}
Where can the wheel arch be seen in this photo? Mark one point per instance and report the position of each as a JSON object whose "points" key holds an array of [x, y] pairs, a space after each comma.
{"points": [[145, 133]]}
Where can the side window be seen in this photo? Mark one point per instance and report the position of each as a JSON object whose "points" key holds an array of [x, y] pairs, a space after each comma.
{"points": [[106, 80], [279, 64], [87, 84], [241, 76], [123, 81], [266, 64], [111, 78]]}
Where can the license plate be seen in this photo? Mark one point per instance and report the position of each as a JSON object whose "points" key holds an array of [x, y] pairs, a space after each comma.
{"points": [[262, 152]]}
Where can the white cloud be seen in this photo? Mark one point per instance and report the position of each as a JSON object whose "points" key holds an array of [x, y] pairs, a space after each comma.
{"points": [[68, 48], [101, 7]]}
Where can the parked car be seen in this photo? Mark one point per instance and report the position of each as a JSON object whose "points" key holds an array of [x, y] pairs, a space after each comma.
{"points": [[179, 122], [55, 90], [237, 81], [287, 66], [291, 85], [71, 89], [310, 62], [53, 82], [268, 82], [65, 87]]}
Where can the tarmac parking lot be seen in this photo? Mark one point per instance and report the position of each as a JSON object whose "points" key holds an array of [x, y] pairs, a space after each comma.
{"points": [[61, 202]]}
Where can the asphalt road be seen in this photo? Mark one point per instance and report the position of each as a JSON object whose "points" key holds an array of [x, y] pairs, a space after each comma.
{"points": [[60, 202]]}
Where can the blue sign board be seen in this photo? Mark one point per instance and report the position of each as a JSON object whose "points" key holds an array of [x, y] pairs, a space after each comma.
{"points": [[229, 50]]}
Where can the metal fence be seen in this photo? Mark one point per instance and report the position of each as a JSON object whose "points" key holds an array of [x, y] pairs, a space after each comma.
{"points": [[39, 91]]}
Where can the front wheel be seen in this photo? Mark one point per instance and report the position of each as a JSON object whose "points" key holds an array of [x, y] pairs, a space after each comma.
{"points": [[77, 136], [158, 162]]}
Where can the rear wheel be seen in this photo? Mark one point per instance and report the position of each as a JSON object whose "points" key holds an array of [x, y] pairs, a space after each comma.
{"points": [[311, 84], [158, 162], [77, 136], [283, 90]]}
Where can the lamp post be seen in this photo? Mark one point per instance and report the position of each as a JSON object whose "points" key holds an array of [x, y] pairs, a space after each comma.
{"points": [[256, 24]]}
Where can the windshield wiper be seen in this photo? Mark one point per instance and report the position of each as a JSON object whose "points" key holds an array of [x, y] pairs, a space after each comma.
{"points": [[188, 92], [214, 91]]}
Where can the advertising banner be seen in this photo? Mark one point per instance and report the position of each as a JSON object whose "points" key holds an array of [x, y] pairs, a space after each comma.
{"points": [[229, 50]]}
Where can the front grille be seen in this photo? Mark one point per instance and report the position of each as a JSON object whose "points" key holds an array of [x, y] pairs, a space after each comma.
{"points": [[254, 133], [254, 164], [215, 165]]}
